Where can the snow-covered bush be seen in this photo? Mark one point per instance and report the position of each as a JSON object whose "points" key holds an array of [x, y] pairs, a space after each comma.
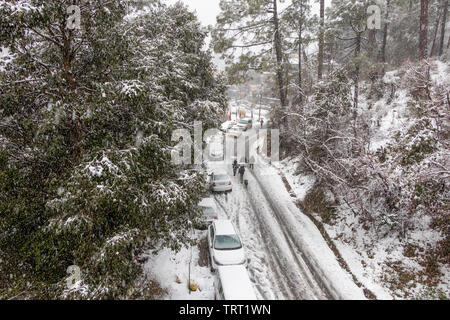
{"points": [[390, 187]]}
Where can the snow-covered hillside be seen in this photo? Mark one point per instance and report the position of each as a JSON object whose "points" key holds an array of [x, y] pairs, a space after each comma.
{"points": [[412, 261]]}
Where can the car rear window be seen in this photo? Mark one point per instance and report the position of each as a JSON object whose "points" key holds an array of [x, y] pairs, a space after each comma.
{"points": [[227, 242], [220, 177]]}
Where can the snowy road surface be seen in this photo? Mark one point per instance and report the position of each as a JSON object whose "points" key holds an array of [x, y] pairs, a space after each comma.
{"points": [[289, 259], [275, 266]]}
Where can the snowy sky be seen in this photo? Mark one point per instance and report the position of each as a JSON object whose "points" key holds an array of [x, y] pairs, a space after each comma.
{"points": [[207, 10]]}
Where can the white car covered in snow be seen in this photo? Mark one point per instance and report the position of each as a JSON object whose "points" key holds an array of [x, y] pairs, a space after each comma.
{"points": [[225, 246], [245, 124], [216, 150], [233, 283], [220, 182], [227, 125], [209, 210], [236, 131]]}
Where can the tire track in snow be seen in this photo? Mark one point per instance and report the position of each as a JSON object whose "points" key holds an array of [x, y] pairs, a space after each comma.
{"points": [[296, 277], [277, 266], [314, 281], [286, 281]]}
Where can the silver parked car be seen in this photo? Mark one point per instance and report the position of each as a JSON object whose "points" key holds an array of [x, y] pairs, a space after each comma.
{"points": [[220, 182]]}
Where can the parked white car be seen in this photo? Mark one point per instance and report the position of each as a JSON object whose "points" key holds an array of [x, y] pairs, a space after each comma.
{"points": [[236, 131], [227, 125], [225, 246], [216, 151], [245, 123], [233, 283], [209, 210], [220, 182], [215, 147]]}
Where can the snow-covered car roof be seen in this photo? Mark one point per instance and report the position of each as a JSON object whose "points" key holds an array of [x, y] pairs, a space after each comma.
{"points": [[224, 227], [236, 283], [227, 123], [207, 202]]}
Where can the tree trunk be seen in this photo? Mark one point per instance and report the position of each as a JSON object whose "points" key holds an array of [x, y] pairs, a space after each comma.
{"points": [[66, 59], [423, 35], [444, 22], [385, 34], [77, 130], [435, 32], [357, 70], [300, 51], [279, 56], [321, 38], [372, 39]]}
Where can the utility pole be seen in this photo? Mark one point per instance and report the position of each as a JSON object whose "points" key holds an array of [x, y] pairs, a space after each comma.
{"points": [[260, 102]]}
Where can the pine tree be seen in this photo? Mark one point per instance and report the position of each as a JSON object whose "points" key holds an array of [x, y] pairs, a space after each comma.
{"points": [[349, 23], [423, 31], [253, 27], [385, 35], [299, 23], [321, 39], [443, 25], [86, 176]]}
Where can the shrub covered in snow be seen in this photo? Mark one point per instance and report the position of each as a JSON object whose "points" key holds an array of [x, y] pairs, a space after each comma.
{"points": [[400, 187]]}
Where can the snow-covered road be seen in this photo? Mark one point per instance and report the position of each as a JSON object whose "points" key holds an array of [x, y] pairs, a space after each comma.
{"points": [[288, 257], [275, 265]]}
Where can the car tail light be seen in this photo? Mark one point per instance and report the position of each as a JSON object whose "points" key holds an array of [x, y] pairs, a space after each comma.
{"points": [[229, 183], [214, 184], [216, 218]]}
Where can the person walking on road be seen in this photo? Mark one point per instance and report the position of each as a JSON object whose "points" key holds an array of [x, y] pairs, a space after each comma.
{"points": [[235, 167], [252, 163], [242, 172]]}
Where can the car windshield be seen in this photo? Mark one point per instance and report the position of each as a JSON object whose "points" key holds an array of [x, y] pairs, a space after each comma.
{"points": [[220, 177], [229, 242], [244, 121]]}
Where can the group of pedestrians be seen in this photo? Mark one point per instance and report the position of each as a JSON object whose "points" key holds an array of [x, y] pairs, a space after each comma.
{"points": [[240, 168]]}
